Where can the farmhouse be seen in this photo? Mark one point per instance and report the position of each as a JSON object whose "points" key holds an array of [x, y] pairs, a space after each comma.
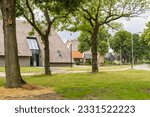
{"points": [[31, 48]]}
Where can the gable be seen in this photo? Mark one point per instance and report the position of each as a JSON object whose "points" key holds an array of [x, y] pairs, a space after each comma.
{"points": [[21, 31]]}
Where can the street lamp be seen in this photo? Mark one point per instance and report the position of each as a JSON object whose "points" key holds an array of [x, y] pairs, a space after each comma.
{"points": [[132, 51], [132, 56], [70, 49]]}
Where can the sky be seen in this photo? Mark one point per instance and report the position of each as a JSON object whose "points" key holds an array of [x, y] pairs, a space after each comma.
{"points": [[134, 25]]}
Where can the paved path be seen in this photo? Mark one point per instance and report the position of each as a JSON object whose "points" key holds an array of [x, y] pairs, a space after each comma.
{"points": [[142, 67], [84, 71], [57, 71], [137, 67]]}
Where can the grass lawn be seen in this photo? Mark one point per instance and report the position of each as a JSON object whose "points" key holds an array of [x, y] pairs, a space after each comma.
{"points": [[130, 84], [27, 69]]}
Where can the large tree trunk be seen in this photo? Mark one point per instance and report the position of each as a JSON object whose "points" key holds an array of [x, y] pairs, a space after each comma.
{"points": [[12, 68], [94, 50], [47, 57]]}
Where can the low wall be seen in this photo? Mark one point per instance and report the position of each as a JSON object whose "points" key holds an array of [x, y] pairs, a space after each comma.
{"points": [[61, 64], [23, 61]]}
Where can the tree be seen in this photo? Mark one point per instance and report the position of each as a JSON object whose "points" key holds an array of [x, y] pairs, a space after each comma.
{"points": [[146, 34], [121, 44], [145, 39], [139, 47], [102, 41], [122, 40], [43, 15], [12, 68], [97, 13]]}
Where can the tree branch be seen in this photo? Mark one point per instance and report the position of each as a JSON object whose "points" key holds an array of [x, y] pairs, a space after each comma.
{"points": [[49, 21], [47, 15], [34, 25], [90, 20], [89, 14], [31, 11], [98, 8]]}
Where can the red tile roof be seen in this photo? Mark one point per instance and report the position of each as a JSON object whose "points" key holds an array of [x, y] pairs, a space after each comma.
{"points": [[77, 54]]}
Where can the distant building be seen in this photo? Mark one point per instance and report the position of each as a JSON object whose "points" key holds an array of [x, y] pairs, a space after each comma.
{"points": [[82, 58], [77, 57], [31, 48]]}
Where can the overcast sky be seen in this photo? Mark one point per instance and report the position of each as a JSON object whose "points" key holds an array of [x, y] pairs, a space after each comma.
{"points": [[135, 25]]}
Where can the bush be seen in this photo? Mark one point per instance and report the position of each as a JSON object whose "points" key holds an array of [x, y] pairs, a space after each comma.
{"points": [[77, 62], [89, 61]]}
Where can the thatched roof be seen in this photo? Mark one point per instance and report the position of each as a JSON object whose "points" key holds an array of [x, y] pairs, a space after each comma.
{"points": [[56, 43], [22, 31]]}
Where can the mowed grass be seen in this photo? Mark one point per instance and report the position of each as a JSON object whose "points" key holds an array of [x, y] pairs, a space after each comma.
{"points": [[27, 69], [122, 85]]}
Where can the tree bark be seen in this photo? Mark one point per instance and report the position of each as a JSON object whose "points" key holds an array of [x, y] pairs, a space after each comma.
{"points": [[12, 68], [47, 57], [94, 50]]}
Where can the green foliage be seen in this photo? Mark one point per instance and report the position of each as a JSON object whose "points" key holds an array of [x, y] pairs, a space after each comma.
{"points": [[32, 32], [121, 43], [105, 12], [84, 42], [102, 38], [94, 14], [140, 47], [121, 40], [145, 41], [55, 12], [69, 5], [146, 35], [89, 61]]}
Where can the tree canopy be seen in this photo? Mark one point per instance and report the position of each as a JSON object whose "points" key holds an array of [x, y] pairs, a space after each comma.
{"points": [[145, 40], [96, 13], [85, 41], [121, 44], [44, 15]]}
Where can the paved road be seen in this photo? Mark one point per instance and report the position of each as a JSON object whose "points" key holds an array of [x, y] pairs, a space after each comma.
{"points": [[142, 67]]}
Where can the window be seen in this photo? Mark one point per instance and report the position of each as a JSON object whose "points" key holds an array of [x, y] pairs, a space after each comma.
{"points": [[59, 53], [33, 45], [88, 56]]}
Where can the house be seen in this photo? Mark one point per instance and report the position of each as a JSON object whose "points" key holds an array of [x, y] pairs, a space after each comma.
{"points": [[77, 57], [82, 58], [31, 48]]}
